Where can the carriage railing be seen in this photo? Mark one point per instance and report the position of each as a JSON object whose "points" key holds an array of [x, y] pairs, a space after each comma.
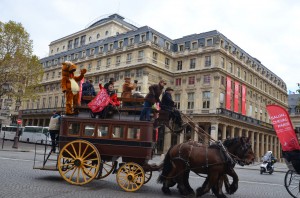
{"points": [[44, 158]]}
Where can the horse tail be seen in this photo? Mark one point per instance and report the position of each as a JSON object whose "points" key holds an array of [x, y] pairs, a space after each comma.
{"points": [[166, 167]]}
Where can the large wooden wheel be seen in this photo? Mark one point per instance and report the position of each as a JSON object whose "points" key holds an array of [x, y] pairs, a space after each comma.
{"points": [[79, 162], [148, 175], [105, 169], [130, 177]]}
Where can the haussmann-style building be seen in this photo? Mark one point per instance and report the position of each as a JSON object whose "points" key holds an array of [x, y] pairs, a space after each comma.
{"points": [[218, 85]]}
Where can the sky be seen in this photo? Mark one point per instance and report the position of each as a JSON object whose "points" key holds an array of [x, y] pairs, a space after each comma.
{"points": [[268, 30]]}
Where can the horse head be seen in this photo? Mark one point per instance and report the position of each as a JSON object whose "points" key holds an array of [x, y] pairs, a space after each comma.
{"points": [[241, 150]]}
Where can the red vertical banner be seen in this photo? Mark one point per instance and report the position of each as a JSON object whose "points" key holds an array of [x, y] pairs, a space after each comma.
{"points": [[236, 97], [228, 93], [283, 127], [244, 91]]}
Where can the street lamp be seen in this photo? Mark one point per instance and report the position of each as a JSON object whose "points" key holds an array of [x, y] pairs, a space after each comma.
{"points": [[16, 138]]}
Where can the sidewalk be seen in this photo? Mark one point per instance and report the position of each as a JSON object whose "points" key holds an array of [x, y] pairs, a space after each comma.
{"points": [[157, 159]]}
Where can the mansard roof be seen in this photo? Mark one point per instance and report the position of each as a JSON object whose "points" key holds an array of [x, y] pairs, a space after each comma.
{"points": [[113, 17]]}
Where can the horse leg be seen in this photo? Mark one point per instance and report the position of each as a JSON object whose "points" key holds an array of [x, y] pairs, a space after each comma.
{"points": [[231, 188], [210, 181], [217, 189], [182, 177], [169, 182], [187, 184]]}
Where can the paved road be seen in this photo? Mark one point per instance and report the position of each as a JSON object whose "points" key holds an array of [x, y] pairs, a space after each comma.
{"points": [[18, 179]]}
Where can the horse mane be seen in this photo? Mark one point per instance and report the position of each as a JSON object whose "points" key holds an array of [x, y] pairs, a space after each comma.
{"points": [[229, 142]]}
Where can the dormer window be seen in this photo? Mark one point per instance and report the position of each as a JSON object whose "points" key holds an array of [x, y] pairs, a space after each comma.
{"points": [[143, 38], [131, 41], [155, 39], [111, 46], [100, 49], [90, 38], [209, 42], [98, 36], [194, 45], [181, 48], [120, 44], [106, 33], [167, 45]]}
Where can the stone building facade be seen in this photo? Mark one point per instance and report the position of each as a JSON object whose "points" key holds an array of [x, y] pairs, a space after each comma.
{"points": [[199, 67]]}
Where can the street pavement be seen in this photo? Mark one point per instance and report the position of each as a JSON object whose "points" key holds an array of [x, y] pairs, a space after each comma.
{"points": [[29, 147]]}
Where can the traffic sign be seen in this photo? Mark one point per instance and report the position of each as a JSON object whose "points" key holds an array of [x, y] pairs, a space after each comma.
{"points": [[19, 121]]}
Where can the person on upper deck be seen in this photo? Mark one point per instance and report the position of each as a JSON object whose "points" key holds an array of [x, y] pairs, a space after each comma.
{"points": [[152, 97], [127, 90]]}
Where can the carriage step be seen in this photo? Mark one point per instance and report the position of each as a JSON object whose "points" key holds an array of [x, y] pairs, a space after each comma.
{"points": [[51, 168]]}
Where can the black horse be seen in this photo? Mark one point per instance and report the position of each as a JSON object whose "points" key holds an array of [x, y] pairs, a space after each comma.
{"points": [[216, 161]]}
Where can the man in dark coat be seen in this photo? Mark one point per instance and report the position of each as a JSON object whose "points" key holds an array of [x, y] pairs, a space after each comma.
{"points": [[168, 104], [152, 97]]}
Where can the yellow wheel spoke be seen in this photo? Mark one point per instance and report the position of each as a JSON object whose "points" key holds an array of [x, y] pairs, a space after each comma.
{"points": [[74, 150], [94, 159], [89, 154], [84, 176], [70, 154], [78, 174], [90, 165], [84, 151], [79, 149], [70, 178]]}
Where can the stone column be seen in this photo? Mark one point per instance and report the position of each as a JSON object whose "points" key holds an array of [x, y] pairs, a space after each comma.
{"points": [[240, 132], [257, 153], [224, 132], [232, 132], [246, 133], [196, 131], [214, 131], [252, 139], [262, 144], [268, 147]]}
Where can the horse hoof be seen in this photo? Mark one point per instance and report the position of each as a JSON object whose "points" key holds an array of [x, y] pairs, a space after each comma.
{"points": [[166, 191]]}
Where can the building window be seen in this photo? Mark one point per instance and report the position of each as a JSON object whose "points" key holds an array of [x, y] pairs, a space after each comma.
{"points": [[90, 38], [194, 45], [238, 71], [130, 41], [181, 48], [120, 44], [70, 43], [178, 82], [49, 102], [53, 74], [209, 42], [191, 80], [127, 74], [141, 55], [222, 80], [111, 47], [223, 62], [106, 33], [101, 49], [92, 51], [192, 63], [55, 101], [207, 61], [107, 62], [76, 42], [98, 64], [167, 44], [90, 67], [167, 62], [154, 57], [98, 36], [143, 38], [82, 40], [179, 65], [206, 79], [118, 60], [139, 72], [206, 100], [177, 101], [190, 101], [250, 80], [128, 58], [155, 39], [230, 68]]}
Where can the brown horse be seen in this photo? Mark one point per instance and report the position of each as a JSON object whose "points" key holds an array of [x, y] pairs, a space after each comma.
{"points": [[214, 161]]}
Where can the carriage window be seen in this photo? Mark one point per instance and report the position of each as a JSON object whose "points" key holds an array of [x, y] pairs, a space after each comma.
{"points": [[133, 133], [102, 131], [74, 128], [89, 130], [118, 132]]}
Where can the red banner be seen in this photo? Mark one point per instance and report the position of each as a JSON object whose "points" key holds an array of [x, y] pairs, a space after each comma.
{"points": [[236, 97], [228, 93], [283, 127], [100, 101], [244, 99]]}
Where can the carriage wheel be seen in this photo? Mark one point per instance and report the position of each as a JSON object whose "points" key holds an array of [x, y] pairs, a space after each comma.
{"points": [[105, 169], [130, 177], [292, 183], [79, 162], [148, 175]]}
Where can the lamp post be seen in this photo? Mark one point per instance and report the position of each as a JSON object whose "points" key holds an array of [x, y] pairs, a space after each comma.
{"points": [[16, 138]]}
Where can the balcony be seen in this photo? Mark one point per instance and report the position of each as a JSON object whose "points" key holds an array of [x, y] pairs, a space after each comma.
{"points": [[241, 117]]}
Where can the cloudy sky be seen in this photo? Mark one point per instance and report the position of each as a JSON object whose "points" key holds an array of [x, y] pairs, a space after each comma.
{"points": [[268, 30]]}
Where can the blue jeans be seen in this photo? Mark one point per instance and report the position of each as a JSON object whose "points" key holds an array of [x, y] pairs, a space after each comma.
{"points": [[145, 114]]}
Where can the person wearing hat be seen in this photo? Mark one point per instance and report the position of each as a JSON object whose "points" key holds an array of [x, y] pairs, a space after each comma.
{"points": [[54, 127], [111, 81], [152, 97], [127, 89], [167, 104]]}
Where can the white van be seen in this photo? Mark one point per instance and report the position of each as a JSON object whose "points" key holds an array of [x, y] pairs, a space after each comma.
{"points": [[35, 134]]}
